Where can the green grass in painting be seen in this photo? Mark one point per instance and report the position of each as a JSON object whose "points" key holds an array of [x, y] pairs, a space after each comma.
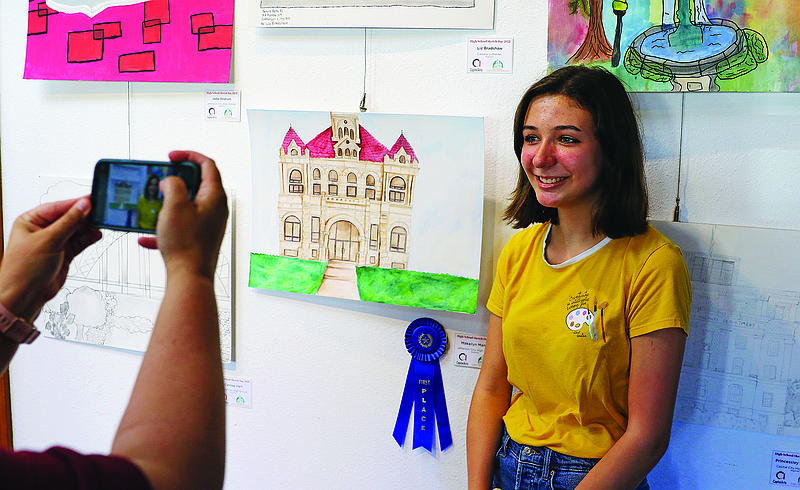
{"points": [[392, 286], [419, 289], [285, 273]]}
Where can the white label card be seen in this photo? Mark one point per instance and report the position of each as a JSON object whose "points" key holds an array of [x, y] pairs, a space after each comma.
{"points": [[490, 55], [468, 350], [785, 469], [239, 392], [223, 105]]}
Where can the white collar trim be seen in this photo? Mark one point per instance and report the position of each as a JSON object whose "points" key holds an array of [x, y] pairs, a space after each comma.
{"points": [[602, 243]]}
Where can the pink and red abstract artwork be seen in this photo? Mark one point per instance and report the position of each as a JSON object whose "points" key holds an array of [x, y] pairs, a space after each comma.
{"points": [[151, 41]]}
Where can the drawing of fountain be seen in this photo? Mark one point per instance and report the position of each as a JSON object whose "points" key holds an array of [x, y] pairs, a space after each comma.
{"points": [[694, 52]]}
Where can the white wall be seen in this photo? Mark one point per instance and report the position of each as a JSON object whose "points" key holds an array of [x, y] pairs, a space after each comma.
{"points": [[327, 374]]}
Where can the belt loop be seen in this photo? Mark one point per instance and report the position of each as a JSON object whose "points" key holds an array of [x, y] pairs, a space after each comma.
{"points": [[504, 443], [547, 463]]}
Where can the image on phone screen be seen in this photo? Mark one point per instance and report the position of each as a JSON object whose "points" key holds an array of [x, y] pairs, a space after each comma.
{"points": [[126, 196]]}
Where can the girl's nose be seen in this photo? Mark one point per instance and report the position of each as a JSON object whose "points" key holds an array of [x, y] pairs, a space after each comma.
{"points": [[544, 155]]}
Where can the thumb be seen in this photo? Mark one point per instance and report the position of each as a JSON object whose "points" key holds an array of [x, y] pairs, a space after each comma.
{"points": [[174, 190], [65, 226]]}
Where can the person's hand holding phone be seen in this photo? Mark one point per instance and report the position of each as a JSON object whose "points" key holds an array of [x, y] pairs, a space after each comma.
{"points": [[189, 233], [41, 247]]}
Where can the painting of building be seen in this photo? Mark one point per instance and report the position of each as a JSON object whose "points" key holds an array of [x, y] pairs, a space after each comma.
{"points": [[345, 196], [383, 208]]}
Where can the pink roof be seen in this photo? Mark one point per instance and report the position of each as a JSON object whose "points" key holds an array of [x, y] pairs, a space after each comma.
{"points": [[291, 135], [322, 145], [371, 149], [403, 143]]}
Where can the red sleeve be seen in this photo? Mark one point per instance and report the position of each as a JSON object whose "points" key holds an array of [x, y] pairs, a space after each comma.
{"points": [[65, 469]]}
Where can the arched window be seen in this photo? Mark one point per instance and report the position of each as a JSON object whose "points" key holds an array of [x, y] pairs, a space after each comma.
{"points": [[347, 152], [397, 189], [296, 182], [735, 394], [316, 188], [397, 239], [701, 388], [333, 176], [340, 133], [369, 192], [352, 189], [339, 153], [402, 159], [738, 365], [293, 152], [352, 134], [291, 229]]}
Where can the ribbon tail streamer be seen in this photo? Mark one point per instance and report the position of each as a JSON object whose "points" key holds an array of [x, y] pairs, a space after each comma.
{"points": [[442, 419], [423, 405], [401, 425]]}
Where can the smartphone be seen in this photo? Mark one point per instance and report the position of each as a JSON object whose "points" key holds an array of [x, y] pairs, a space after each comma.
{"points": [[125, 193]]}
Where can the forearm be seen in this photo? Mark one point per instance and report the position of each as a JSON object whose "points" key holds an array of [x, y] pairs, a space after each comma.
{"points": [[15, 303], [173, 427], [627, 463], [484, 431]]}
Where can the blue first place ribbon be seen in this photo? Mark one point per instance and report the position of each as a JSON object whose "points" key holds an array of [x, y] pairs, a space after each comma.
{"points": [[426, 341]]}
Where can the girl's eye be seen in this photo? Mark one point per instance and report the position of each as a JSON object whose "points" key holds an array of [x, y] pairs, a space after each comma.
{"points": [[569, 139], [531, 138]]}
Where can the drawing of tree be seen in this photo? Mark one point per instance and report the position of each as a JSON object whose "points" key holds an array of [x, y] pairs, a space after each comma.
{"points": [[58, 323], [595, 46]]}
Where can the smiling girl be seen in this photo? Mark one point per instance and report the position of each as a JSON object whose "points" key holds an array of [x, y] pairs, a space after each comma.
{"points": [[589, 308]]}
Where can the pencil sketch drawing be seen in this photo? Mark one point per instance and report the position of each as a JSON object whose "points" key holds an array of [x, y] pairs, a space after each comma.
{"points": [[114, 289], [465, 14], [367, 3], [741, 369]]}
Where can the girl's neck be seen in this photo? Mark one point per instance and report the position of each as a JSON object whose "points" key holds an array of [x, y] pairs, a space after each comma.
{"points": [[570, 238]]}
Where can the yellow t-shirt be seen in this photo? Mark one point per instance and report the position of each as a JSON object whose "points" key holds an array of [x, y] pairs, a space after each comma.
{"points": [[569, 360], [148, 212]]}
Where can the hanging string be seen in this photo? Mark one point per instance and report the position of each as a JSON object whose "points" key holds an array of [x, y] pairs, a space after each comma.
{"points": [[676, 214], [363, 106], [130, 138]]}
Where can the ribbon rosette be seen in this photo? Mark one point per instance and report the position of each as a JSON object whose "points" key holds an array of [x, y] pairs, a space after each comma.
{"points": [[426, 341]]}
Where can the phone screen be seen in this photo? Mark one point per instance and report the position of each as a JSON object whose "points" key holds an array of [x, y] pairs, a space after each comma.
{"points": [[126, 195]]}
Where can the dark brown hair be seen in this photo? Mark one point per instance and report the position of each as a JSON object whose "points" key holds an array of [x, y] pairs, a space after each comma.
{"points": [[622, 205]]}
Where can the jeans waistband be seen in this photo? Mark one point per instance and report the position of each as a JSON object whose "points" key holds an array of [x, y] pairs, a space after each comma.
{"points": [[546, 458]]}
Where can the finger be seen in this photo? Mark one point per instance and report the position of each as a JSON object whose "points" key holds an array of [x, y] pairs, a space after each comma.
{"points": [[210, 178], [174, 190], [42, 216], [148, 242], [70, 222], [80, 241]]}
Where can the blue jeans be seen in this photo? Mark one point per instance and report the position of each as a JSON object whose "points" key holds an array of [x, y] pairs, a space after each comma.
{"points": [[520, 467]]}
